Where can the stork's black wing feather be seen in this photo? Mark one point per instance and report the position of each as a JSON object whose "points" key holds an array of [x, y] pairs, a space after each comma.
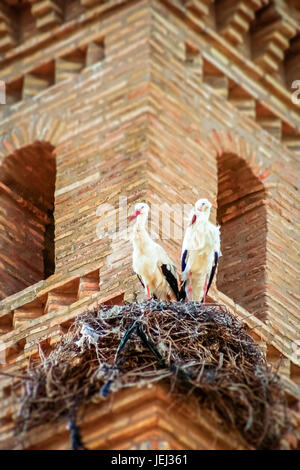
{"points": [[171, 279], [212, 273], [140, 279], [183, 261], [182, 292]]}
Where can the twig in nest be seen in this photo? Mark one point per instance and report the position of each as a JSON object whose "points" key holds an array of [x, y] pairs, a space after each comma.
{"points": [[75, 435], [106, 388]]}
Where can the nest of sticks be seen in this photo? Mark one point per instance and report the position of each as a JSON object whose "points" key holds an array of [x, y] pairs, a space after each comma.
{"points": [[200, 349]]}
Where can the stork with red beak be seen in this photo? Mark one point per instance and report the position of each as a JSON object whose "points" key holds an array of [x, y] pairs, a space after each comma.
{"points": [[200, 253], [155, 270]]}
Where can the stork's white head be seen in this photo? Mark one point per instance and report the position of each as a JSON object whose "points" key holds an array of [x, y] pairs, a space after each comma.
{"points": [[201, 211], [141, 211], [203, 206]]}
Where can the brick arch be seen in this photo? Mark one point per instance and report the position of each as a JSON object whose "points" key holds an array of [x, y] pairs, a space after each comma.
{"points": [[27, 184], [38, 128], [242, 213], [221, 141]]}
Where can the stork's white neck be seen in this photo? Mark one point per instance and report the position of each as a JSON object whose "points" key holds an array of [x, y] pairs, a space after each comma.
{"points": [[201, 220], [140, 223], [140, 235], [139, 228]]}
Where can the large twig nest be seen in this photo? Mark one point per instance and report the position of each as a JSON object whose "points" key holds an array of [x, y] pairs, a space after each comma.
{"points": [[202, 347]]}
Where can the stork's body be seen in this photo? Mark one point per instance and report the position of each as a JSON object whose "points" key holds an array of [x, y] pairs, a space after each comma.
{"points": [[154, 268], [200, 253]]}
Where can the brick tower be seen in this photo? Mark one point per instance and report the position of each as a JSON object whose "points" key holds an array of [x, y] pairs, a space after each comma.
{"points": [[112, 102]]}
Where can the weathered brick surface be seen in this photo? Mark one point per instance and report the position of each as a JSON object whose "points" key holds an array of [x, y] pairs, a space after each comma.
{"points": [[242, 215], [134, 419], [141, 105], [27, 181]]}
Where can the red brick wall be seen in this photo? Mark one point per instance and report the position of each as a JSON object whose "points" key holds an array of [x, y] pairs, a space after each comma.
{"points": [[242, 214], [27, 181], [138, 102]]}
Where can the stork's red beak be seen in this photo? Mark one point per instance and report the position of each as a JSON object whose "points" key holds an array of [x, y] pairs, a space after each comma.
{"points": [[193, 219], [134, 216]]}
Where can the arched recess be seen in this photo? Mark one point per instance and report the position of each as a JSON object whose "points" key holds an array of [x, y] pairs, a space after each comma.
{"points": [[27, 184], [243, 218]]}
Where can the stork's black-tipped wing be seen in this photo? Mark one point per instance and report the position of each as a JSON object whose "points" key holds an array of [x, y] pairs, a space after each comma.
{"points": [[212, 273], [183, 260], [171, 279], [140, 279], [182, 292]]}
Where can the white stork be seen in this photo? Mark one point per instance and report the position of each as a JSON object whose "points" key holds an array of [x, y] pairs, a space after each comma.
{"points": [[200, 253], [155, 270]]}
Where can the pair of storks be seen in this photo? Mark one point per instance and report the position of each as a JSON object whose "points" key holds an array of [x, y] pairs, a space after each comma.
{"points": [[199, 257], [157, 272]]}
